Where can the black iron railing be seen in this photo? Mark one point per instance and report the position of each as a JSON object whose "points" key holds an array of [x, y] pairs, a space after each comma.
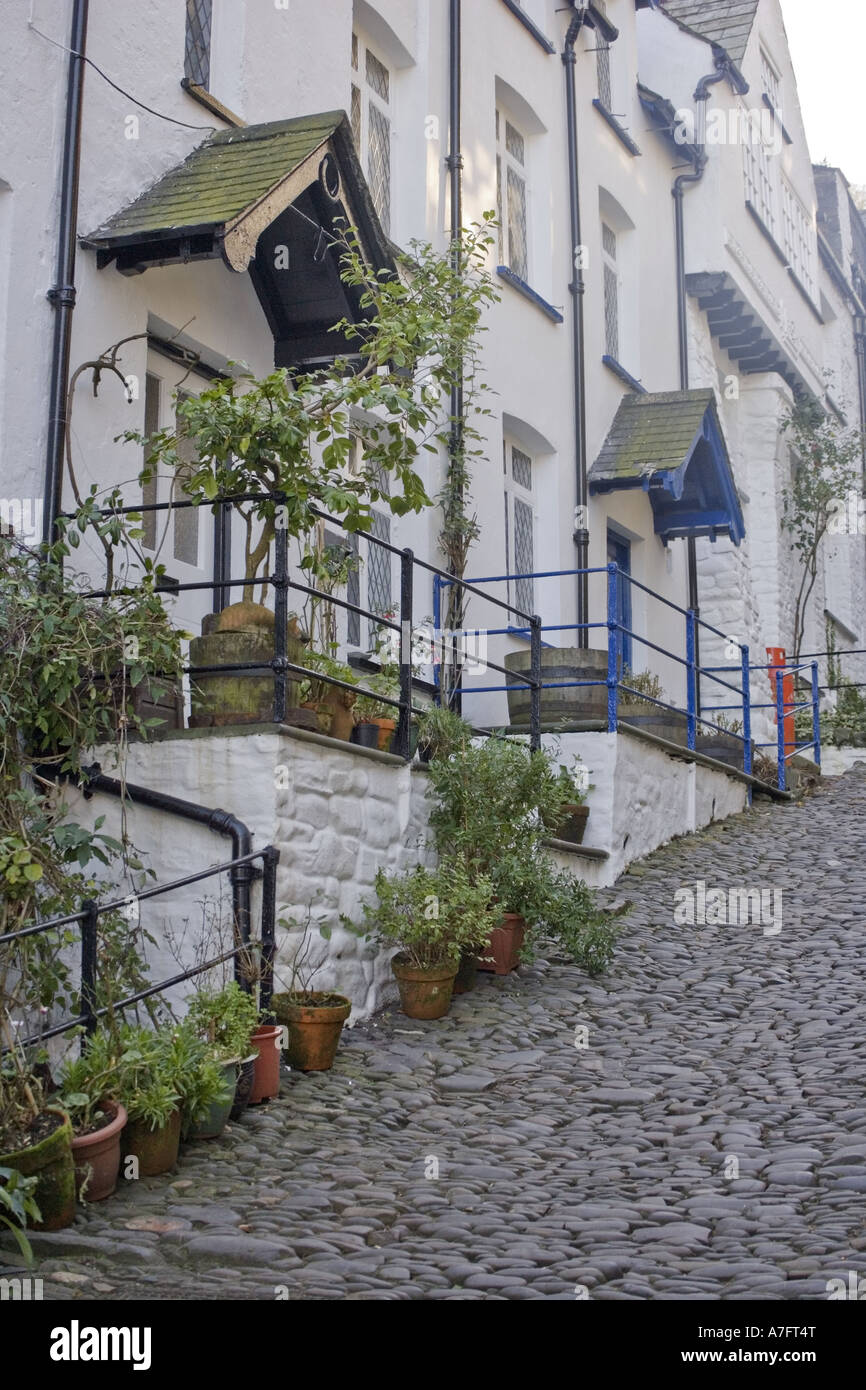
{"points": [[87, 920]]}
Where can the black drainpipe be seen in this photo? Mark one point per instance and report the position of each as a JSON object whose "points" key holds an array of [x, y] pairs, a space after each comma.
{"points": [[702, 95], [576, 288], [223, 822], [62, 292], [454, 164]]}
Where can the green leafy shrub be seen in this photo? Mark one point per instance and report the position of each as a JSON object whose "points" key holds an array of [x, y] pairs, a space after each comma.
{"points": [[432, 915], [18, 1206], [225, 1020]]}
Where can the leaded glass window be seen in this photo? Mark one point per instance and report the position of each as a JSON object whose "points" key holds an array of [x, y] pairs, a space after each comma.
{"points": [[196, 63], [371, 123], [511, 196]]}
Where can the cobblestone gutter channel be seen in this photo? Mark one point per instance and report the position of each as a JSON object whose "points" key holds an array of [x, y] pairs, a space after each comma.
{"points": [[691, 1126]]}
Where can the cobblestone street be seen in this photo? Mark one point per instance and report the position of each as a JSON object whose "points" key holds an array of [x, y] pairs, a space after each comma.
{"points": [[691, 1126]]}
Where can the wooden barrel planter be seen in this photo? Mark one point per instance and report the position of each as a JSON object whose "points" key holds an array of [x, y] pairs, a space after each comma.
{"points": [[574, 704], [669, 724]]}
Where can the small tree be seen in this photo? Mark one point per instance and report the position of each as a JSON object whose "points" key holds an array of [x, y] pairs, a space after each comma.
{"points": [[826, 469]]}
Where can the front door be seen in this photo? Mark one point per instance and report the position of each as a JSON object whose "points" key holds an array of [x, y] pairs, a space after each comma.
{"points": [[619, 553]]}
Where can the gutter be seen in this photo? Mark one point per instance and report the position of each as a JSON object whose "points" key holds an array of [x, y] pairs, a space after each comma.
{"points": [[62, 293]]}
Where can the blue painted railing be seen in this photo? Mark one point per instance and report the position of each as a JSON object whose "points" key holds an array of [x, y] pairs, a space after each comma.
{"points": [[695, 711]]}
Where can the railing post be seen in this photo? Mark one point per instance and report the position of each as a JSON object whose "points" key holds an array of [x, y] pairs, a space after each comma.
{"points": [[407, 573], [281, 618], [747, 710], [89, 935], [612, 649], [437, 638], [270, 859], [691, 688], [535, 677], [780, 727], [816, 715]]}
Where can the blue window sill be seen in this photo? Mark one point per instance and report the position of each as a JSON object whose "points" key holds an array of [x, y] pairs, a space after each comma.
{"points": [[620, 371], [507, 274], [619, 131]]}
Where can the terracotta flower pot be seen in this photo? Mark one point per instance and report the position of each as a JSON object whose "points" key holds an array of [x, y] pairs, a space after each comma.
{"points": [[97, 1156], [216, 1119], [265, 1042], [51, 1160], [464, 981], [424, 993], [503, 945], [155, 1149], [244, 1087], [314, 1028], [386, 733]]}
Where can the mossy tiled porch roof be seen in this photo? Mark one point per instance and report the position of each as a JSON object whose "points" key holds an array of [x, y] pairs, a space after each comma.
{"points": [[288, 186], [670, 444]]}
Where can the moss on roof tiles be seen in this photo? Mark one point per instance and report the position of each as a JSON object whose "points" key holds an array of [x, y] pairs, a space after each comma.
{"points": [[221, 177], [725, 22], [652, 432]]}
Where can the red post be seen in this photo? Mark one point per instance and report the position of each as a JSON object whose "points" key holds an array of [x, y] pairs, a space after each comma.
{"points": [[777, 659]]}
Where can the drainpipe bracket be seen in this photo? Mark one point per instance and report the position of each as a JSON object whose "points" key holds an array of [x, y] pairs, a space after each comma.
{"points": [[61, 295]]}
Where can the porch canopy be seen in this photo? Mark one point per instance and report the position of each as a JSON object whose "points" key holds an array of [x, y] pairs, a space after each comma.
{"points": [[268, 199], [670, 444]]}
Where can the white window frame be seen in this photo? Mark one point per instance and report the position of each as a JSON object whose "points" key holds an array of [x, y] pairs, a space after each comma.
{"points": [[799, 239], [366, 99], [611, 283], [771, 80], [604, 78], [760, 184], [517, 494], [510, 168]]}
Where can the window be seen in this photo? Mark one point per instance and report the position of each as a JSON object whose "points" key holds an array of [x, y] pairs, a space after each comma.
{"points": [[770, 81], [519, 528], [619, 553], [371, 123], [511, 196], [602, 68], [196, 63], [758, 173], [611, 291], [799, 239]]}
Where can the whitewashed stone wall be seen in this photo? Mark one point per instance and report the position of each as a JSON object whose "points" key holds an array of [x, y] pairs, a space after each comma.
{"points": [[338, 813]]}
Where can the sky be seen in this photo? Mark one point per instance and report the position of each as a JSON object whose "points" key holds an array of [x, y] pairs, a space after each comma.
{"points": [[827, 39]]}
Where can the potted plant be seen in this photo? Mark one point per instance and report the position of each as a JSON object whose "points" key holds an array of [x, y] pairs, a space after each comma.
{"points": [[226, 1020], [146, 1086], [431, 916], [97, 1122], [313, 1019], [375, 719], [570, 823], [722, 742], [441, 733], [638, 692], [332, 704], [18, 1207], [35, 1142]]}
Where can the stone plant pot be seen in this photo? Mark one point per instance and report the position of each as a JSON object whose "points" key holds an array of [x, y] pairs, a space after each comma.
{"points": [[501, 955], [424, 993], [265, 1040], [155, 1149], [49, 1159], [314, 1022], [97, 1156], [573, 704], [216, 1119], [340, 703], [243, 632]]}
